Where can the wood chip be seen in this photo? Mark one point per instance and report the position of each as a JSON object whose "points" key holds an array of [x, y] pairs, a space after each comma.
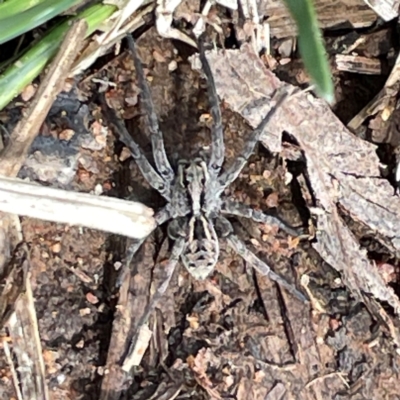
{"points": [[358, 64]]}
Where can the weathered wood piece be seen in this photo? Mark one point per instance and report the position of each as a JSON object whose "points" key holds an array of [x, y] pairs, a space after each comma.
{"points": [[386, 9], [108, 214], [358, 64], [331, 14]]}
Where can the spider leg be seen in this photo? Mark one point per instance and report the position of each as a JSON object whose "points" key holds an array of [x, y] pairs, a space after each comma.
{"points": [[241, 210], [160, 157], [227, 177], [177, 250], [149, 173], [161, 217], [260, 266], [217, 133]]}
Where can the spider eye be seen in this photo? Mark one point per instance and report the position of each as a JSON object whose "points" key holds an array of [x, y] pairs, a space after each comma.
{"points": [[189, 176], [161, 187]]}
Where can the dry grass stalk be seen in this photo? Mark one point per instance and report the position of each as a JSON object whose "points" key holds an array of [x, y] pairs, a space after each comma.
{"points": [[108, 214]]}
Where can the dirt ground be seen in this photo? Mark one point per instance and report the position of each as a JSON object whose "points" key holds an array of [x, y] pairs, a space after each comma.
{"points": [[236, 335]]}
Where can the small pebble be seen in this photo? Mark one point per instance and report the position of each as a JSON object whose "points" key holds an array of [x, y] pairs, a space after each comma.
{"points": [[288, 178], [172, 66], [117, 265], [125, 154], [334, 324], [28, 92], [66, 134], [266, 174], [91, 298], [56, 248], [84, 311], [284, 61], [61, 379], [272, 200], [98, 189]]}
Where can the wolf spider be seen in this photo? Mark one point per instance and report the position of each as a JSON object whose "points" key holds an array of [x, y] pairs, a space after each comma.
{"points": [[196, 205]]}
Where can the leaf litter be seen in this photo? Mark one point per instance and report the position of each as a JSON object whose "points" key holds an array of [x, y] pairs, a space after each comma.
{"points": [[251, 354]]}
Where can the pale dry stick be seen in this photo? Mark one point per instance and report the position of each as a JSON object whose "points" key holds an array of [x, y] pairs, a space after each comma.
{"points": [[138, 349], [129, 20], [260, 34], [386, 9], [340, 375], [200, 26], [109, 214], [125, 13], [135, 351], [13, 282], [28, 349], [164, 18], [24, 331], [14, 375]]}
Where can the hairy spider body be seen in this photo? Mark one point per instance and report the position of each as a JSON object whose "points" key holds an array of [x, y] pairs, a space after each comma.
{"points": [[201, 250], [196, 207]]}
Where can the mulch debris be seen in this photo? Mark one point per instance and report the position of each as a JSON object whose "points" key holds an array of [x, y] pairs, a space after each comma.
{"points": [[236, 334]]}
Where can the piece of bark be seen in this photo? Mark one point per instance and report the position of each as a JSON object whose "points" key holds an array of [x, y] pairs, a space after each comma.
{"points": [[342, 168], [358, 64], [331, 14], [13, 282], [385, 110], [133, 295], [278, 392], [24, 331]]}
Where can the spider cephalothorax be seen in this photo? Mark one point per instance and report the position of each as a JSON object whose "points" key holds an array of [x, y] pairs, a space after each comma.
{"points": [[196, 208], [201, 250]]}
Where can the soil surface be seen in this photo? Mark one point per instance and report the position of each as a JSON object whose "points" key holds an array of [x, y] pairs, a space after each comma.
{"points": [[236, 335]]}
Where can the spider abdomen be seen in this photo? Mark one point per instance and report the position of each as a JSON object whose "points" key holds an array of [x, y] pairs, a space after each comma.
{"points": [[202, 249]]}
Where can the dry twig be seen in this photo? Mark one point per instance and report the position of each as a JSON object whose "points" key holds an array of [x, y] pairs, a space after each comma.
{"points": [[108, 214]]}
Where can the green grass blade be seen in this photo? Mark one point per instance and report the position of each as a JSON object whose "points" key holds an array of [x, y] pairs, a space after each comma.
{"points": [[311, 46], [25, 21], [14, 7], [31, 64]]}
